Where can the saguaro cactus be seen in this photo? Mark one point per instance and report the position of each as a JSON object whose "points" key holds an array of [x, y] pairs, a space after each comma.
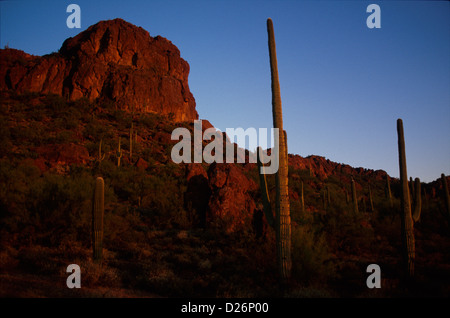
{"points": [[302, 199], [131, 142], [370, 199], [446, 195], [97, 219], [354, 197], [363, 203], [417, 200], [388, 191], [407, 225], [328, 197], [411, 186], [119, 154], [282, 223], [100, 156]]}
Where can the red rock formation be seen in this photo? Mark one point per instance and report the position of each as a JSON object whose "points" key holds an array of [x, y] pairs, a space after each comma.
{"points": [[323, 168], [64, 154], [60, 156], [111, 60], [232, 202]]}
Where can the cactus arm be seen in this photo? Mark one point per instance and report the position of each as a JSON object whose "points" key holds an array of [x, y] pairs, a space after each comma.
{"points": [[417, 200], [412, 193], [264, 190]]}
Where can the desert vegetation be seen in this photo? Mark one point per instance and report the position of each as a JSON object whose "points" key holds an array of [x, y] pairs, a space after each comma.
{"points": [[90, 181], [153, 243]]}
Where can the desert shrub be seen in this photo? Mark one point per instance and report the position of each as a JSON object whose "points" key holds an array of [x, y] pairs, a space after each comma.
{"points": [[39, 259], [149, 120], [5, 135], [15, 183], [54, 102], [311, 257], [83, 105], [122, 118], [25, 97], [348, 232], [96, 130], [63, 137], [26, 134], [59, 207]]}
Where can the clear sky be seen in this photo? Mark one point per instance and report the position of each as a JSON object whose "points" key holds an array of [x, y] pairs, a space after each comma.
{"points": [[343, 85]]}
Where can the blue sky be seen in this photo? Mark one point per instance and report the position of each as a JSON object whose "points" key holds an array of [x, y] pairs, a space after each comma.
{"points": [[343, 85]]}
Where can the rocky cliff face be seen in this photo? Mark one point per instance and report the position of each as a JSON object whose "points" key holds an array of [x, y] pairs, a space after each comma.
{"points": [[112, 60]]}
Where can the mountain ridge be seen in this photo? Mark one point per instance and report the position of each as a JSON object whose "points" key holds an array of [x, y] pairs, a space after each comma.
{"points": [[112, 60]]}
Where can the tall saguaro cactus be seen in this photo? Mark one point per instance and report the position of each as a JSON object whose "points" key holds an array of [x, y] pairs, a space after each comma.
{"points": [[407, 225], [282, 222], [97, 219]]}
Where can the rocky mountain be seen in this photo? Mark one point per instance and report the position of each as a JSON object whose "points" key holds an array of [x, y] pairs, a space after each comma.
{"points": [[110, 61]]}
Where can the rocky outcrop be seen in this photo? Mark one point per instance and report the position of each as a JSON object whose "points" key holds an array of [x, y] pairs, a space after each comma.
{"points": [[112, 60], [64, 154], [59, 157], [323, 168], [232, 204]]}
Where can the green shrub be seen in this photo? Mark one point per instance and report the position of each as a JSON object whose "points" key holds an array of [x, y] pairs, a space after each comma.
{"points": [[54, 102], [311, 258]]}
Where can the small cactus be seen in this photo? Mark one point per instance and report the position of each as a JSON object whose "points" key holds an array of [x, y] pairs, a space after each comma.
{"points": [[131, 142], [371, 200], [100, 156], [302, 199], [328, 196], [363, 203], [119, 154], [388, 191], [97, 219]]}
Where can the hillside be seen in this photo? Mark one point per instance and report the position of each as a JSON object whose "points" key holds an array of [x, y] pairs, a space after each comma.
{"points": [[172, 230]]}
